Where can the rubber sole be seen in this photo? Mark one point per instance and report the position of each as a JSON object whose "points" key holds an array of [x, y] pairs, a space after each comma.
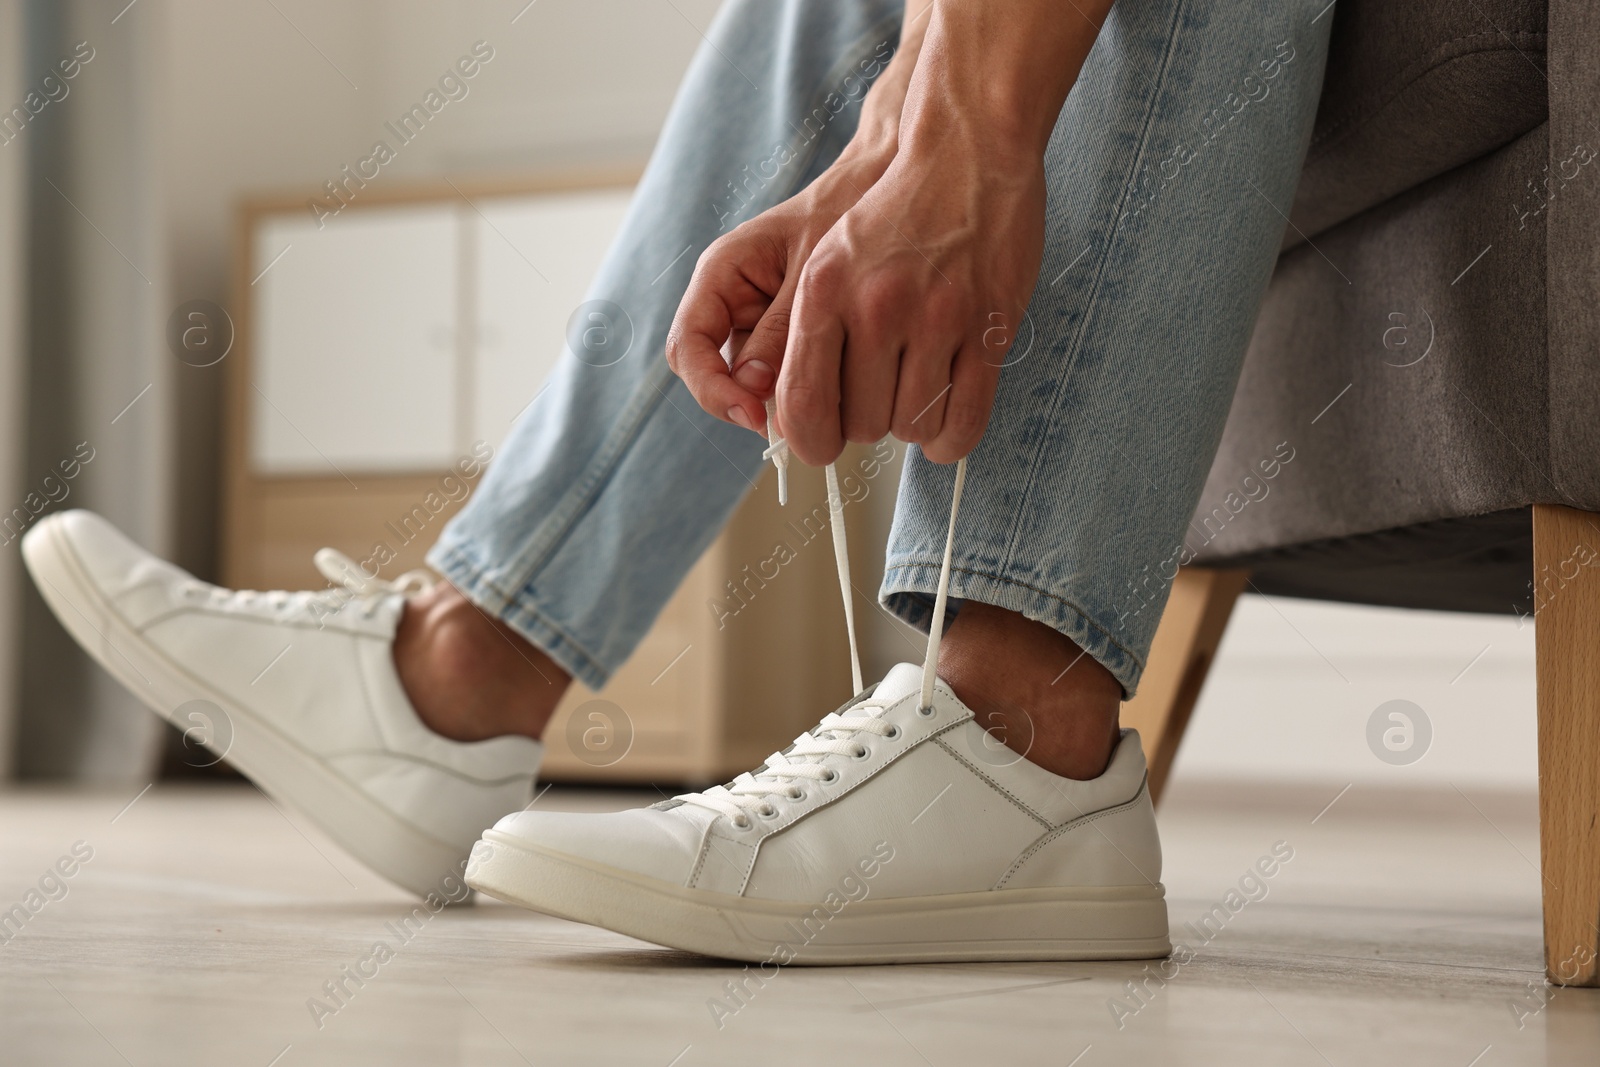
{"points": [[1115, 923], [412, 859]]}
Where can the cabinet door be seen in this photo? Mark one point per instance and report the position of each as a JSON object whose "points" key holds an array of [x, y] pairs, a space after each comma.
{"points": [[535, 258], [354, 354]]}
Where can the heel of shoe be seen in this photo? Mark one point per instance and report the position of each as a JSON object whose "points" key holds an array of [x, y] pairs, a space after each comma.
{"points": [[1115, 847]]}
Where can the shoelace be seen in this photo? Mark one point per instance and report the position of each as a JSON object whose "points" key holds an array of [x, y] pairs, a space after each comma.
{"points": [[839, 735], [350, 586]]}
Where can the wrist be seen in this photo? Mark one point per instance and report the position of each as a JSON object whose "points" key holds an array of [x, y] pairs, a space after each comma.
{"points": [[995, 80], [877, 136], [865, 159]]}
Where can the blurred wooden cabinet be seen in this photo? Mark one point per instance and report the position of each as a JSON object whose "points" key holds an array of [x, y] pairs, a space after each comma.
{"points": [[379, 351]]}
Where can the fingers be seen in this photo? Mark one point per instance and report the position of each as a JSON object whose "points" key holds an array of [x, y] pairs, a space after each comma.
{"points": [[870, 373], [924, 390], [757, 363], [965, 415], [728, 294], [874, 344], [808, 382], [943, 319], [848, 373]]}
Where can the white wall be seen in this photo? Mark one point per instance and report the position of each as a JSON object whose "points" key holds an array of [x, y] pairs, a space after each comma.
{"points": [[253, 106], [256, 102]]}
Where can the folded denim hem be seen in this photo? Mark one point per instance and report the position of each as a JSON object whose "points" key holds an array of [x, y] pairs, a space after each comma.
{"points": [[909, 590], [519, 610]]}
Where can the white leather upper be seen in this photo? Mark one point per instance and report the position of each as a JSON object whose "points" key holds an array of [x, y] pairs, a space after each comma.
{"points": [[958, 821], [318, 668]]}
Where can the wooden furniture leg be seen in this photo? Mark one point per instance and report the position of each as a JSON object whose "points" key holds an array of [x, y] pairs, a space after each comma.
{"points": [[1185, 644], [1566, 583]]}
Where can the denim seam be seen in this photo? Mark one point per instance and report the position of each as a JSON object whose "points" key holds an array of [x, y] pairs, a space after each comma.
{"points": [[1102, 263], [915, 565], [524, 603], [457, 564]]}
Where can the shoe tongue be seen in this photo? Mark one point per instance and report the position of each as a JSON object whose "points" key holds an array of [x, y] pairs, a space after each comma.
{"points": [[901, 681]]}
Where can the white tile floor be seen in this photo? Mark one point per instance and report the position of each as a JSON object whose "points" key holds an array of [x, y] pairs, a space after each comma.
{"points": [[1405, 930]]}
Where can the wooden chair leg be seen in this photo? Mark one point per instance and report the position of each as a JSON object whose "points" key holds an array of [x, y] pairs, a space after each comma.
{"points": [[1566, 569], [1186, 642]]}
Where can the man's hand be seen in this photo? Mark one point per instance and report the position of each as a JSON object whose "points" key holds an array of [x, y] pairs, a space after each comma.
{"points": [[742, 293], [728, 338], [906, 308], [887, 304]]}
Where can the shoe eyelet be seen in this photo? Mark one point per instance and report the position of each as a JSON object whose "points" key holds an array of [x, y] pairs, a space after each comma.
{"points": [[766, 811], [831, 777], [927, 712], [794, 794], [742, 823], [862, 752], [894, 733]]}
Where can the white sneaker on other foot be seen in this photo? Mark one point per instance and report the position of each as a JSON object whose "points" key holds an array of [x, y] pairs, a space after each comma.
{"points": [[315, 712], [892, 832]]}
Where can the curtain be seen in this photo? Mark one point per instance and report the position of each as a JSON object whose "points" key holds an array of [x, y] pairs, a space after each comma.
{"points": [[13, 175], [96, 381]]}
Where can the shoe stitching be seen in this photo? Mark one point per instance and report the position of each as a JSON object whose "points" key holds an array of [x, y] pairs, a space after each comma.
{"points": [[700, 861], [1081, 821], [705, 850], [996, 786], [327, 625]]}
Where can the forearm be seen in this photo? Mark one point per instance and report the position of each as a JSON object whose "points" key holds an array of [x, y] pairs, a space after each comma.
{"points": [[996, 74]]}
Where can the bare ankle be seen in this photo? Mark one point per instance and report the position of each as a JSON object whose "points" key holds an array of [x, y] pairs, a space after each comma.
{"points": [[470, 676], [1033, 689]]}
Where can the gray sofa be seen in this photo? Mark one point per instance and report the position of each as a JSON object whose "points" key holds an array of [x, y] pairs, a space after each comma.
{"points": [[1429, 347], [1446, 317]]}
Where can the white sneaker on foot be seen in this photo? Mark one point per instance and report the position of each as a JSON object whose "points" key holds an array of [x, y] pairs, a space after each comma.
{"points": [[892, 832], [315, 712]]}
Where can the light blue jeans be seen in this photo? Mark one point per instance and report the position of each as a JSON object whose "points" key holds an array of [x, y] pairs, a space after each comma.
{"points": [[1170, 172]]}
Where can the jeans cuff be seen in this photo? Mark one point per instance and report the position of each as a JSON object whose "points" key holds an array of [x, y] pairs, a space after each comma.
{"points": [[519, 610], [910, 588]]}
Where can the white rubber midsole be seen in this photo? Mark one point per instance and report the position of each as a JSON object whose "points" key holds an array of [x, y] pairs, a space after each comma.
{"points": [[1072, 923], [413, 859]]}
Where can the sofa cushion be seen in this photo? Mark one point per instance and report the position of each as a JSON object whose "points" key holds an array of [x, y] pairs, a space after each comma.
{"points": [[1414, 88]]}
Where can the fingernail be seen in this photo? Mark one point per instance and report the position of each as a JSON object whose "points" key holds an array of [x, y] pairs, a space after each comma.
{"points": [[737, 416], [755, 376]]}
